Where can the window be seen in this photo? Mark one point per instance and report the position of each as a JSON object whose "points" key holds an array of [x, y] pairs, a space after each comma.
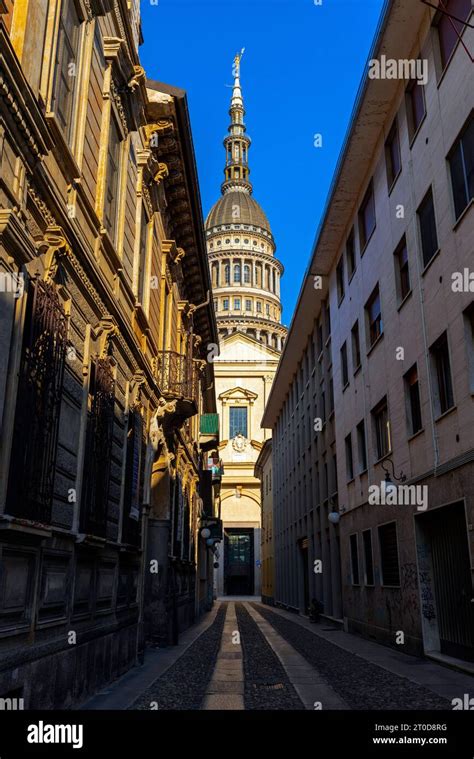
{"points": [[416, 109], [367, 217], [461, 163], [112, 179], [350, 255], [247, 274], [402, 271], [225, 304], [227, 274], [356, 359], [67, 54], [248, 305], [381, 429], [354, 559], [259, 307], [267, 309], [368, 557], [349, 459], [142, 283], [450, 27], [412, 392], [340, 280], [428, 234], [392, 155], [236, 304], [237, 273], [374, 317], [389, 554], [362, 447], [441, 367], [216, 305], [344, 366], [237, 421], [469, 330]]}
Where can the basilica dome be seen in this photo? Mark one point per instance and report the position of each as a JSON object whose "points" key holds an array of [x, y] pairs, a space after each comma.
{"points": [[251, 213]]}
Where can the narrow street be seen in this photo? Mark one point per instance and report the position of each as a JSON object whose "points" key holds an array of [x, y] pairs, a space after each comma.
{"points": [[247, 656]]}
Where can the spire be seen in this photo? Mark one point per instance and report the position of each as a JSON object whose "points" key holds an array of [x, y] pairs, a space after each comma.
{"points": [[237, 142]]}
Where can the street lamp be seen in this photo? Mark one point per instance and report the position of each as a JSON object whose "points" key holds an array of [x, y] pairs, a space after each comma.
{"points": [[205, 533], [387, 486]]}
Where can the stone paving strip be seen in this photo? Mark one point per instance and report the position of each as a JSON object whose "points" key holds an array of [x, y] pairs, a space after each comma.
{"points": [[362, 684], [226, 687], [266, 685], [311, 687], [184, 685]]}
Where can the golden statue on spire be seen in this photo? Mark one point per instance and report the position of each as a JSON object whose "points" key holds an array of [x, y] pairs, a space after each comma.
{"points": [[236, 66]]}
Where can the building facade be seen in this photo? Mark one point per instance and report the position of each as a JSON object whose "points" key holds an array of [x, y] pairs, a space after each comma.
{"points": [[372, 434], [246, 288], [264, 472], [105, 315]]}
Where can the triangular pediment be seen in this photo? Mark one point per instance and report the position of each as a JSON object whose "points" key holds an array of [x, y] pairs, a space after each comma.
{"points": [[238, 394], [241, 347]]}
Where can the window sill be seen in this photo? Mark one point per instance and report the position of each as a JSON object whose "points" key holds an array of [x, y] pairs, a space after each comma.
{"points": [[357, 370], [352, 276], [433, 258], [340, 300], [414, 435], [446, 413], [374, 345], [364, 247], [345, 387], [394, 182], [418, 130], [463, 215], [61, 146], [350, 482], [363, 472], [404, 300], [383, 458]]}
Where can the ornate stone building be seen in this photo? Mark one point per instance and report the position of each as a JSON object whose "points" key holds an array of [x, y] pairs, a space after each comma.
{"points": [[246, 286], [105, 318]]}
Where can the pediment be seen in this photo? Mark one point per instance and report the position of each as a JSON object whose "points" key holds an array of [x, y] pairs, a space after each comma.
{"points": [[238, 394]]}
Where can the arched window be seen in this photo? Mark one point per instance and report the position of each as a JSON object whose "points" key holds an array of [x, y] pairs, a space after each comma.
{"points": [[227, 274], [246, 274], [237, 273], [274, 281]]}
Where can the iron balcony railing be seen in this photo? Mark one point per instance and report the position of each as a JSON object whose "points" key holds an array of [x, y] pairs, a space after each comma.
{"points": [[177, 375]]}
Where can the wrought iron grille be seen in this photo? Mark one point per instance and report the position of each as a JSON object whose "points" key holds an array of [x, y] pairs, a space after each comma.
{"points": [[38, 405], [176, 375], [99, 439]]}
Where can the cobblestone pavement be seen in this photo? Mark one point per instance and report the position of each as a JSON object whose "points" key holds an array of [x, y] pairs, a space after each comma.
{"points": [[267, 685], [361, 684], [184, 684]]}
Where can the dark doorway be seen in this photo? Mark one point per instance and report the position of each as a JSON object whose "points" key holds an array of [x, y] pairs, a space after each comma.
{"points": [[446, 531], [238, 562], [305, 570]]}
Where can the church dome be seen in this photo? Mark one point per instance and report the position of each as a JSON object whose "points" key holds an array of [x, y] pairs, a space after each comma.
{"points": [[251, 213]]}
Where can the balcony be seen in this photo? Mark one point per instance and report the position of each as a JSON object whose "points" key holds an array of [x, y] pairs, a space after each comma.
{"points": [[178, 379]]}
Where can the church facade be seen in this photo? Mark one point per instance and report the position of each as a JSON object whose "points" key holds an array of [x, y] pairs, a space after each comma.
{"points": [[246, 285]]}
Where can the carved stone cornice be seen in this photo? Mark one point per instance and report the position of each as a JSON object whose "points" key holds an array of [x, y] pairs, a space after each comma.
{"points": [[54, 246], [15, 239]]}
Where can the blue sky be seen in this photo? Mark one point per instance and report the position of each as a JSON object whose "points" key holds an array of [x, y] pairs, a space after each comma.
{"points": [[300, 74]]}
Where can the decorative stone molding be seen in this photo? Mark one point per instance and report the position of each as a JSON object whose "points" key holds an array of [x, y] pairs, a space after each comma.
{"points": [[136, 385], [106, 330], [139, 74], [112, 47], [119, 105], [55, 247], [162, 173]]}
